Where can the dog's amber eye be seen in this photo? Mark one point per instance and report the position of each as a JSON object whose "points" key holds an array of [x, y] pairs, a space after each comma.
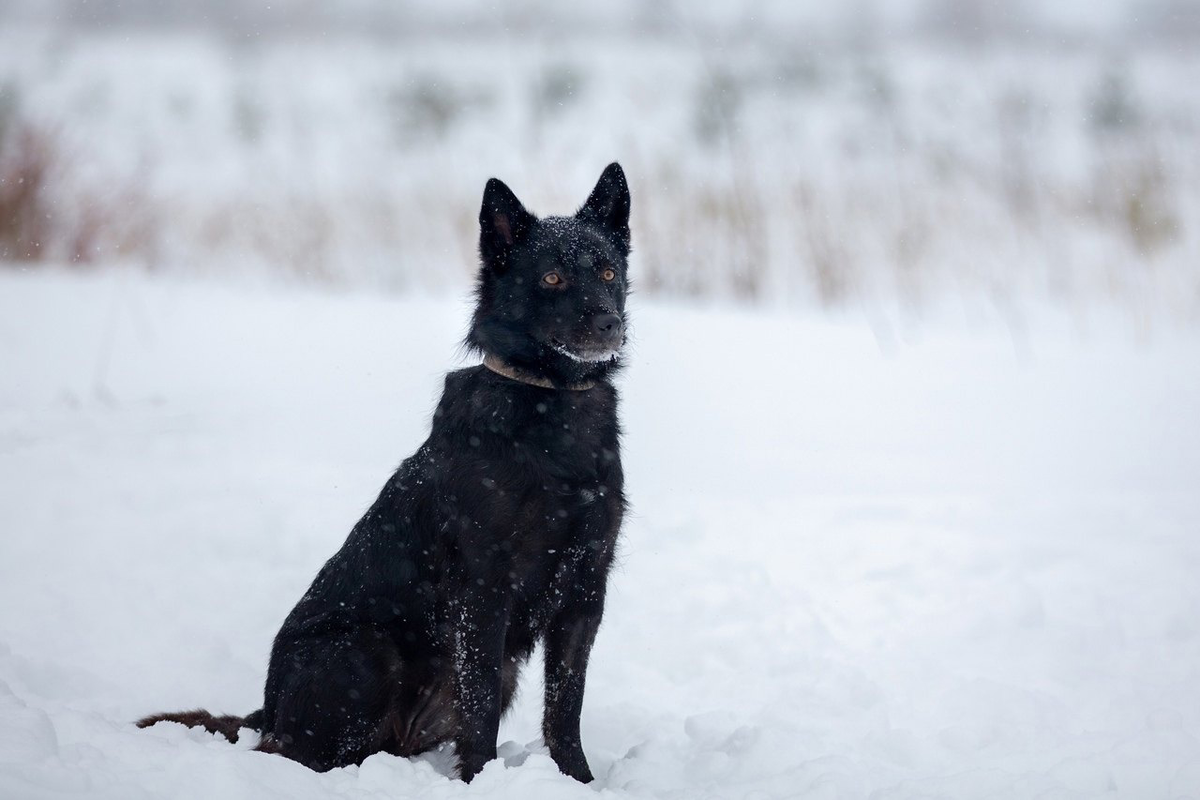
{"points": [[552, 279], [608, 275]]}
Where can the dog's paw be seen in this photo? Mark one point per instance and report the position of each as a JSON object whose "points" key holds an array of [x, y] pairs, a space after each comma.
{"points": [[573, 764]]}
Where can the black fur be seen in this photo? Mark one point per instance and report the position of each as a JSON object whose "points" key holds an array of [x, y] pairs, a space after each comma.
{"points": [[497, 534]]}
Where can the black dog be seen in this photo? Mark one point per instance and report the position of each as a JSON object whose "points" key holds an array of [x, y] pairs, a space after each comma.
{"points": [[498, 533]]}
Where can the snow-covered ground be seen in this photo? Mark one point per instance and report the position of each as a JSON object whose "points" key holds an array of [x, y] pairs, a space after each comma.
{"points": [[936, 563]]}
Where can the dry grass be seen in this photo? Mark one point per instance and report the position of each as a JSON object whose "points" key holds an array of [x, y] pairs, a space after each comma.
{"points": [[889, 206], [28, 159], [47, 214]]}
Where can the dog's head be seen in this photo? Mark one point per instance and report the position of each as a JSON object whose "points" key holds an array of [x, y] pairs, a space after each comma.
{"points": [[551, 294]]}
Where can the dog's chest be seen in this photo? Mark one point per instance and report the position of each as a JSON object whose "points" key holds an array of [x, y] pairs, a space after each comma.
{"points": [[562, 504], [531, 482], [553, 557], [565, 484]]}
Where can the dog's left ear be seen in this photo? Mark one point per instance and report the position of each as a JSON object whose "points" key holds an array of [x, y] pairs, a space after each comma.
{"points": [[608, 205]]}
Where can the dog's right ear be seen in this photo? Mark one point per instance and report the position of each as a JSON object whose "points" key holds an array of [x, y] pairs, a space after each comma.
{"points": [[503, 222]]}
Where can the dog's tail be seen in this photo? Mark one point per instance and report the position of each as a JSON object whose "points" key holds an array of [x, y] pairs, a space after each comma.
{"points": [[227, 725]]}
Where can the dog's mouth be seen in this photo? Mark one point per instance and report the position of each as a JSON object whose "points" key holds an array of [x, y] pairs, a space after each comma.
{"points": [[584, 355]]}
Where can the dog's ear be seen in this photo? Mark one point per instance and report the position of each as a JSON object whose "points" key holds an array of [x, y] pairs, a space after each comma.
{"points": [[503, 222], [608, 204]]}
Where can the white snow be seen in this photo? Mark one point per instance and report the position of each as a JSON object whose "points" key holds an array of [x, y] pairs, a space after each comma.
{"points": [[943, 563]]}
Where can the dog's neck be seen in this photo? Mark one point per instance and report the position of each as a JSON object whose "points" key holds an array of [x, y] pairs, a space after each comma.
{"points": [[512, 373]]}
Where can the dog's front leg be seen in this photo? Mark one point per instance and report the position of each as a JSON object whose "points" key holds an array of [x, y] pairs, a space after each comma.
{"points": [[568, 645], [480, 653]]}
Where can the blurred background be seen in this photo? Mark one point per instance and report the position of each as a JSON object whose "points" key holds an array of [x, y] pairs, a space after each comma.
{"points": [[912, 441], [896, 156]]}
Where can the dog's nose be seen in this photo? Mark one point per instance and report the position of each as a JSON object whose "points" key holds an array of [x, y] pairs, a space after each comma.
{"points": [[607, 326]]}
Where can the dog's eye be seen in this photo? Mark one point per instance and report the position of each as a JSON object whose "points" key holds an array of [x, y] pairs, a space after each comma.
{"points": [[609, 274], [552, 279]]}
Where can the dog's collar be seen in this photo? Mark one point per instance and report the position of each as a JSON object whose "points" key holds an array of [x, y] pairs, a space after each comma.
{"points": [[512, 373]]}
